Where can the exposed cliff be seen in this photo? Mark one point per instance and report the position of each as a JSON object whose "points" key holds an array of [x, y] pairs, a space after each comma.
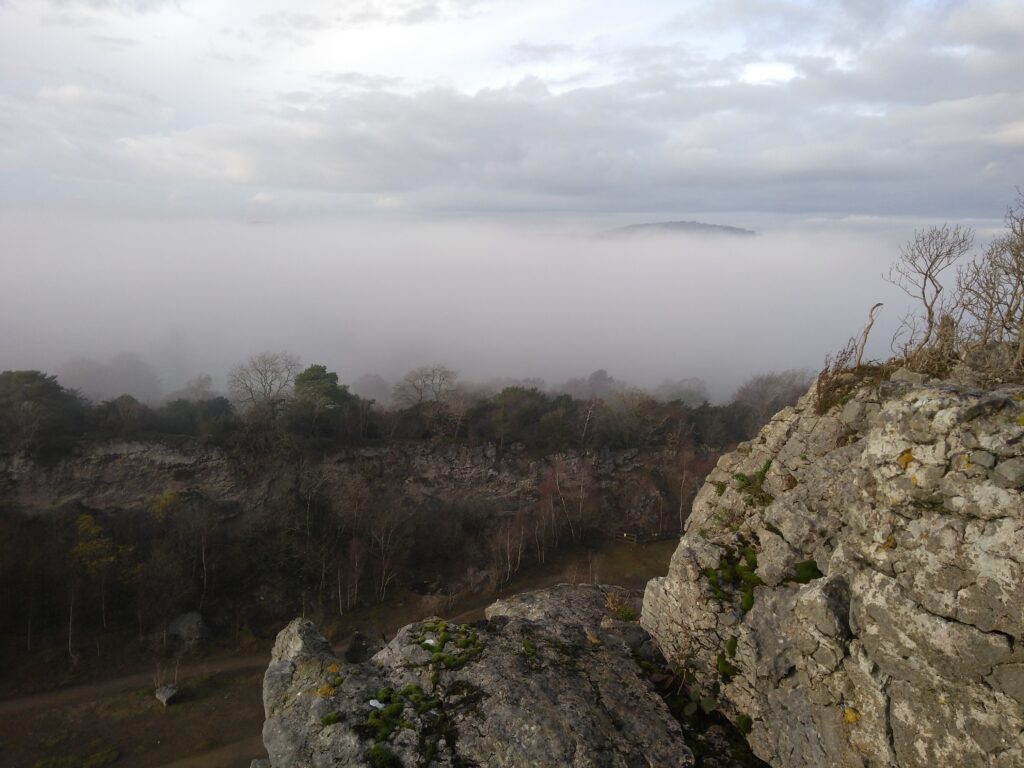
{"points": [[129, 475], [548, 680], [852, 583]]}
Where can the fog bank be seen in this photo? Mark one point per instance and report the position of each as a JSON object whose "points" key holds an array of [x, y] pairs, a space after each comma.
{"points": [[489, 299]]}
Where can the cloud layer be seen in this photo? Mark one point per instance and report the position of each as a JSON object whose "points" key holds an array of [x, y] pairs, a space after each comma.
{"points": [[885, 108]]}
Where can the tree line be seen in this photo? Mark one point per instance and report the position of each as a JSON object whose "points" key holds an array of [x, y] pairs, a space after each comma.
{"points": [[311, 545]]}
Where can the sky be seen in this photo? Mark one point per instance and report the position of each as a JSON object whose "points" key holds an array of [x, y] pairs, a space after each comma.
{"points": [[168, 165]]}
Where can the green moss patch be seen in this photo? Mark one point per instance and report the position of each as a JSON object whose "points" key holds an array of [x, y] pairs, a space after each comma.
{"points": [[806, 571]]}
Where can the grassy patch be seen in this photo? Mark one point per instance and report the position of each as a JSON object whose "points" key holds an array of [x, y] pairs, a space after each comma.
{"points": [[730, 646], [529, 653], [736, 571], [752, 486], [698, 714], [620, 608], [725, 669], [331, 718], [744, 724], [380, 756]]}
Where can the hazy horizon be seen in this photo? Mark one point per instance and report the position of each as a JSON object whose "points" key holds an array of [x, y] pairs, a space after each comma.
{"points": [[490, 299], [379, 184]]}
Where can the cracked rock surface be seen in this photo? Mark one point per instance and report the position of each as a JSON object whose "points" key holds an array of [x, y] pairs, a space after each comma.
{"points": [[854, 581], [548, 680]]}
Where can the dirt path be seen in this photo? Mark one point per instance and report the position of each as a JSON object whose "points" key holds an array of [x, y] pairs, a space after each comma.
{"points": [[237, 755], [94, 691], [221, 723]]}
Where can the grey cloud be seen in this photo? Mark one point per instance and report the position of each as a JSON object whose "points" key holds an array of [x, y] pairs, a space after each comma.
{"points": [[778, 25], [683, 145], [922, 119]]}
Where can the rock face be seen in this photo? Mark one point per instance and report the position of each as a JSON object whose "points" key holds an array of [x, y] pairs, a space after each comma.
{"points": [[130, 475], [853, 582], [548, 680]]}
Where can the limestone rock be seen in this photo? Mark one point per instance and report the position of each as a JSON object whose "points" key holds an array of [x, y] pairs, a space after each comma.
{"points": [[548, 680], [853, 582]]}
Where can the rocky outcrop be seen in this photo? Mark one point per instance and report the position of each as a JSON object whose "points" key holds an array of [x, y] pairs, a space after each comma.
{"points": [[851, 584], [549, 679], [126, 475]]}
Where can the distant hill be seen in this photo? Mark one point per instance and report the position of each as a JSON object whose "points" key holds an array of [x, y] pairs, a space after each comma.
{"points": [[678, 227]]}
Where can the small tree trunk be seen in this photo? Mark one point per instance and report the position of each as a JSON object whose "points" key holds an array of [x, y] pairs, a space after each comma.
{"points": [[202, 553], [1020, 344], [341, 604], [71, 624]]}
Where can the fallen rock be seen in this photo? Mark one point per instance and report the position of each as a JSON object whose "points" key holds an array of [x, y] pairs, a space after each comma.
{"points": [[166, 694]]}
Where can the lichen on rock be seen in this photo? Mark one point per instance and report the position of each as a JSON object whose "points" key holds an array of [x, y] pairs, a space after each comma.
{"points": [[889, 540], [549, 679]]}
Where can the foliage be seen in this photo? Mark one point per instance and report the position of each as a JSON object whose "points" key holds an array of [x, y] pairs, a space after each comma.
{"points": [[753, 485], [37, 415], [181, 551], [806, 571]]}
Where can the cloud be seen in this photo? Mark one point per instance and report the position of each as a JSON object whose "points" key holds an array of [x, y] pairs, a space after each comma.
{"points": [[685, 146], [523, 53], [410, 12], [114, 43], [919, 111], [85, 98], [123, 6], [362, 81]]}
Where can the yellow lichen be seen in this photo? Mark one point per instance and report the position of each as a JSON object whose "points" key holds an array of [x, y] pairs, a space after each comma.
{"points": [[905, 458], [333, 669], [889, 543], [851, 715], [325, 691]]}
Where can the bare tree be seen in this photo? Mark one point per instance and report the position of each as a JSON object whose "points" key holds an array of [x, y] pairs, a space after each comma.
{"points": [[917, 272], [428, 383], [388, 538], [264, 378], [991, 287], [872, 316]]}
